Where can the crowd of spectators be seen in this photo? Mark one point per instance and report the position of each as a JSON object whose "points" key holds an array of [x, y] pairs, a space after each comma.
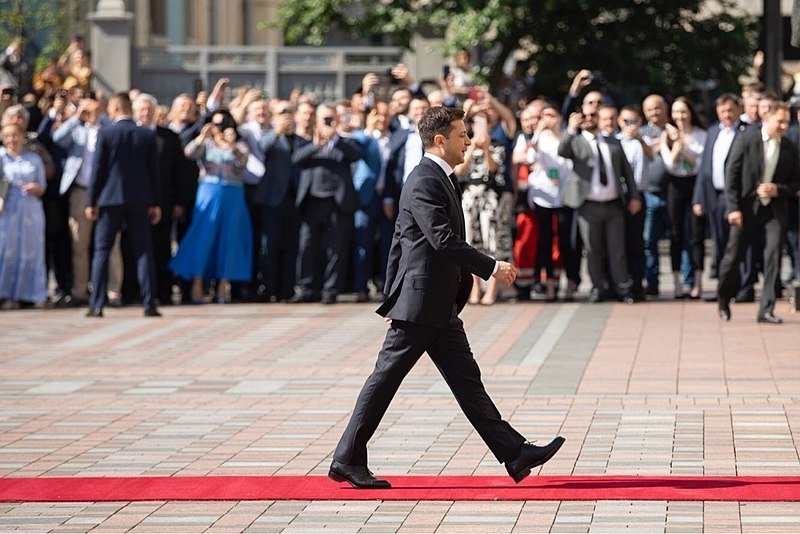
{"points": [[294, 200]]}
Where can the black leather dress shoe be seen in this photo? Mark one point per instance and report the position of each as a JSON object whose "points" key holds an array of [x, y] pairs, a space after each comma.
{"points": [[769, 318], [724, 310], [152, 312], [531, 456], [357, 476], [595, 296], [94, 312]]}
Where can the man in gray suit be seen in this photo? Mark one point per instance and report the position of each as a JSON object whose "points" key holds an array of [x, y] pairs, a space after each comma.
{"points": [[601, 188]]}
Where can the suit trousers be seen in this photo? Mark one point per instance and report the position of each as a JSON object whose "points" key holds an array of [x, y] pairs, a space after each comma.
{"points": [[720, 229], [280, 228], [740, 239], [324, 247], [634, 246], [449, 349], [602, 227], [110, 221], [161, 236]]}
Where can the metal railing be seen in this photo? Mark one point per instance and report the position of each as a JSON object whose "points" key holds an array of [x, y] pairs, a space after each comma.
{"points": [[329, 72]]}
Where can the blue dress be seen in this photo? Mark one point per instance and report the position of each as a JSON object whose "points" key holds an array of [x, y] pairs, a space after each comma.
{"points": [[23, 275], [219, 242]]}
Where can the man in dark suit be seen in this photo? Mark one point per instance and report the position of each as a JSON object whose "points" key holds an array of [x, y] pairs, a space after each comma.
{"points": [[427, 284], [171, 169], [709, 190], [276, 193], [601, 188], [123, 190], [763, 173], [326, 200]]}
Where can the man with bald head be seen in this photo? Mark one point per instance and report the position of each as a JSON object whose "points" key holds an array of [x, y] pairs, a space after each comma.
{"points": [[655, 219]]}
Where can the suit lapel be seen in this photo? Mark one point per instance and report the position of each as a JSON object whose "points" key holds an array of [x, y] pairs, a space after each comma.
{"points": [[450, 191]]}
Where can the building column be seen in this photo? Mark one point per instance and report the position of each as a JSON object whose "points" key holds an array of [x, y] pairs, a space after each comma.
{"points": [[111, 32], [176, 23]]}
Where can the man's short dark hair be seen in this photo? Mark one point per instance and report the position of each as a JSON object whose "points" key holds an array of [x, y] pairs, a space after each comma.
{"points": [[123, 100], [724, 98], [437, 120], [633, 109], [779, 105]]}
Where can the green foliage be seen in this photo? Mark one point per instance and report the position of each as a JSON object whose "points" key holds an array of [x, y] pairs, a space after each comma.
{"points": [[638, 45], [42, 21]]}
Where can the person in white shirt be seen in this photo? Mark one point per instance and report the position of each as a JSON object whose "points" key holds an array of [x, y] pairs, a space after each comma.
{"points": [[709, 191], [544, 196]]}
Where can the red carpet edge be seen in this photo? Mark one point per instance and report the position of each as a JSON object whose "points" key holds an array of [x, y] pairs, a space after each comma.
{"points": [[405, 488]]}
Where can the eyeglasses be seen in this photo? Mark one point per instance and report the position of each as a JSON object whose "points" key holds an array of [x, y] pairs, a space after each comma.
{"points": [[590, 114]]}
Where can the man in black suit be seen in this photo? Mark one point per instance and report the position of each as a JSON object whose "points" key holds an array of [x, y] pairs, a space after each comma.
{"points": [[428, 282], [123, 190], [171, 169], [276, 194], [326, 200], [709, 191], [763, 173]]}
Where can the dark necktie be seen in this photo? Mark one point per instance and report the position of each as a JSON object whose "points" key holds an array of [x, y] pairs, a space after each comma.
{"points": [[454, 181], [601, 163]]}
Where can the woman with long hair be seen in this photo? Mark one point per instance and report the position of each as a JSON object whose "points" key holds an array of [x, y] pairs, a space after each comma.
{"points": [[682, 146], [219, 244]]}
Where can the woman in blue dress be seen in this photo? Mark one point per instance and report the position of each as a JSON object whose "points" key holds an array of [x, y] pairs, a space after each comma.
{"points": [[219, 243], [23, 276]]}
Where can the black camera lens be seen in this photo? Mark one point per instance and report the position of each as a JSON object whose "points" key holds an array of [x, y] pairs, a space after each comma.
{"points": [[328, 121]]}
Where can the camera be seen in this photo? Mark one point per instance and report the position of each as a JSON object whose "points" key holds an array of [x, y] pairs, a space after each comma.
{"points": [[629, 122], [445, 71], [328, 121]]}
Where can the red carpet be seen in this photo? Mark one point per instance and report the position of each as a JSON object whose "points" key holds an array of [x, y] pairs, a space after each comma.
{"points": [[406, 488]]}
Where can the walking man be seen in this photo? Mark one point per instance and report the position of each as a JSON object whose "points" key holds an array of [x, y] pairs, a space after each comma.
{"points": [[123, 190], [428, 281], [763, 173]]}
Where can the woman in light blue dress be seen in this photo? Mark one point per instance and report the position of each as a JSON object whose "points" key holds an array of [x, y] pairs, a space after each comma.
{"points": [[219, 243], [23, 276]]}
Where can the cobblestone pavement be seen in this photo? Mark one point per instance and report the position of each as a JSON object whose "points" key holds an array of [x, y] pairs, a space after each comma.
{"points": [[655, 388]]}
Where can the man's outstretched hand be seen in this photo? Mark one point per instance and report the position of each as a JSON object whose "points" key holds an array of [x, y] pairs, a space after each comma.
{"points": [[506, 273]]}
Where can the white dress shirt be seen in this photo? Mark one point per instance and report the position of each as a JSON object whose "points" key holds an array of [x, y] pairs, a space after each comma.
{"points": [[597, 191], [721, 148]]}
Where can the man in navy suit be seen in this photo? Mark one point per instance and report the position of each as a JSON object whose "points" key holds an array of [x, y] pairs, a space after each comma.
{"points": [[123, 189], [709, 190], [427, 284]]}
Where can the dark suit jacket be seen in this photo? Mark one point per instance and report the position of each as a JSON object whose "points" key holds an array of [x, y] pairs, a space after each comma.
{"points": [[315, 161], [430, 264], [704, 192], [746, 168], [576, 186], [282, 175], [125, 171], [171, 169]]}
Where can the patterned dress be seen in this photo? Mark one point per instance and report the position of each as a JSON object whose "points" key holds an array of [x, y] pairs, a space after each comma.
{"points": [[488, 206], [23, 275], [219, 242]]}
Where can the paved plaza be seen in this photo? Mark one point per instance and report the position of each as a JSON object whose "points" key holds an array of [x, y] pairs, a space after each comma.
{"points": [[659, 388]]}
